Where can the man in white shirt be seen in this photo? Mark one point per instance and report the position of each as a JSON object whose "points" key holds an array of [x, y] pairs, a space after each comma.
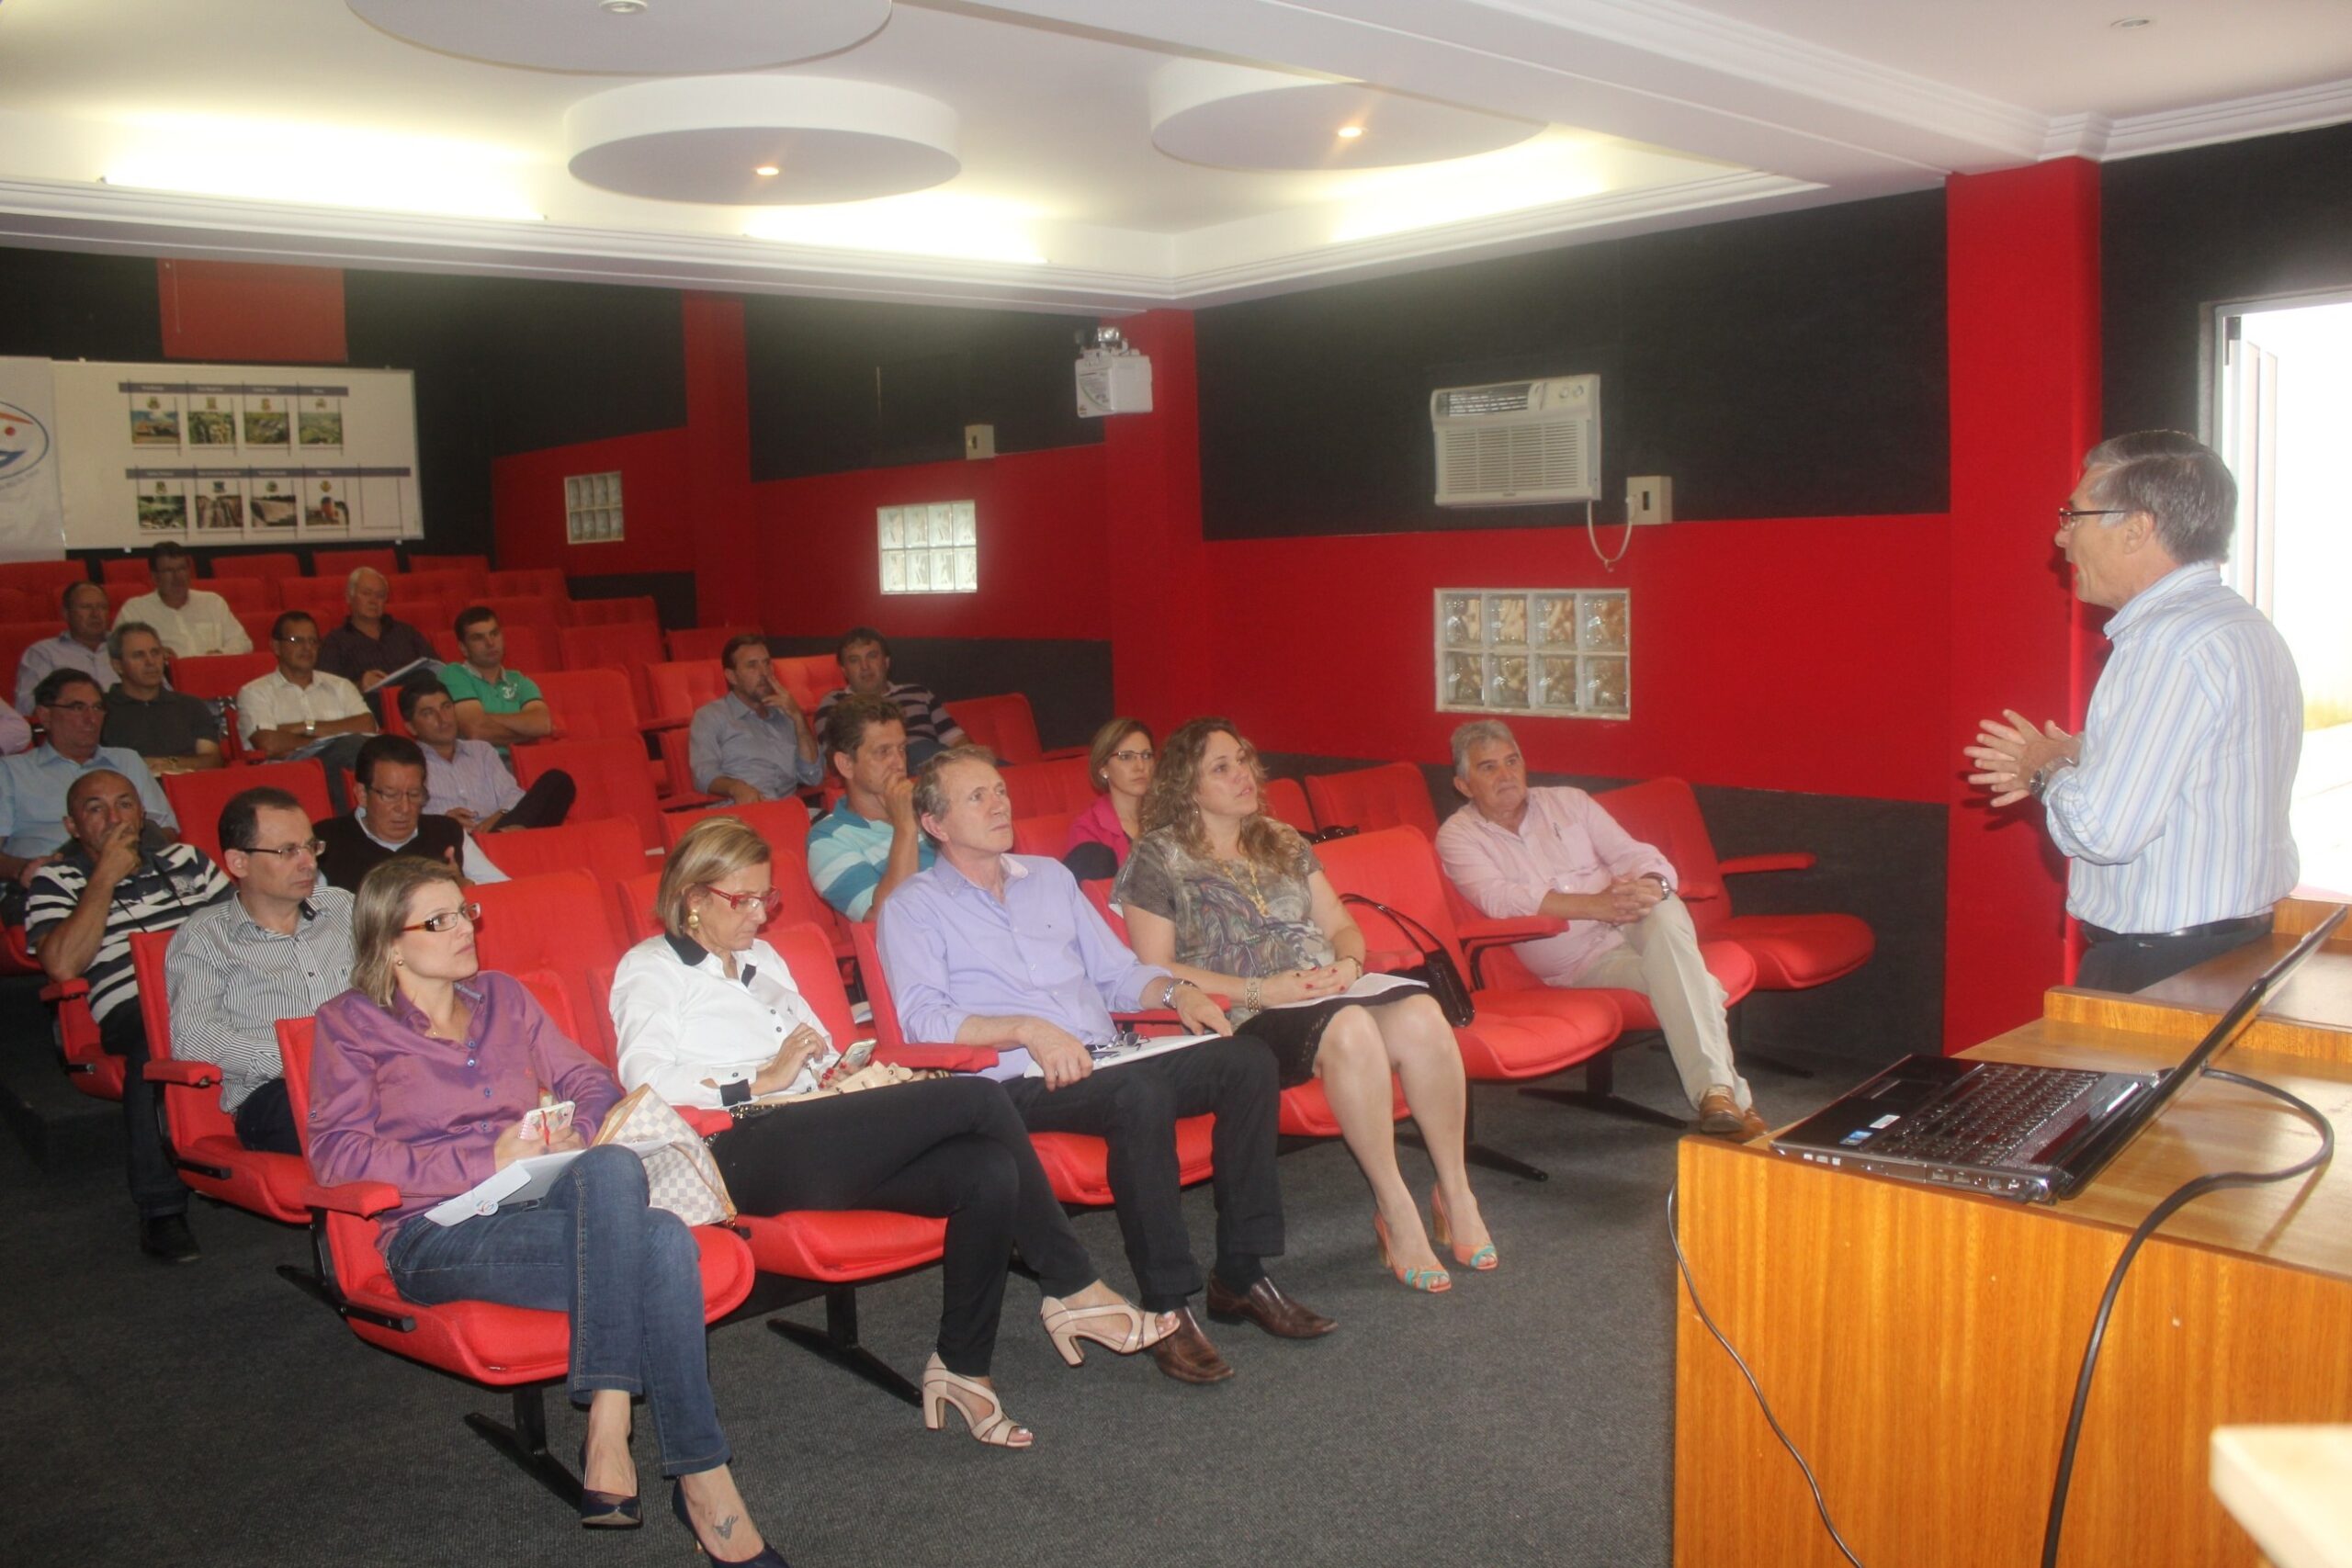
{"points": [[298, 705], [191, 622], [81, 646]]}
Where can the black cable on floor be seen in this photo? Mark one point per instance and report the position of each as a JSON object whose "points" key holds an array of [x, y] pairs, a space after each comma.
{"points": [[2181, 1196]]}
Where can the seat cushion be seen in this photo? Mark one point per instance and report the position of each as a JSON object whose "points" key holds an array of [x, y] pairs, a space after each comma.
{"points": [[1306, 1110], [844, 1245], [270, 1185], [1795, 952], [1527, 1034], [1075, 1169]]}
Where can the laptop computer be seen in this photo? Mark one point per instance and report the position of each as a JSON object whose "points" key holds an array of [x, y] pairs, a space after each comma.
{"points": [[2034, 1134]]}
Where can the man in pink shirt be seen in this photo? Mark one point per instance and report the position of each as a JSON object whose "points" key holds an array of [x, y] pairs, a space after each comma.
{"points": [[1516, 851]]}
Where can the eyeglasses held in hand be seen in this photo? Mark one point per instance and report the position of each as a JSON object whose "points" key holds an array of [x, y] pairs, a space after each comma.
{"points": [[448, 919], [314, 848], [770, 902]]}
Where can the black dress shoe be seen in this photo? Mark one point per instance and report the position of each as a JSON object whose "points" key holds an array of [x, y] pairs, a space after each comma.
{"points": [[168, 1238], [1264, 1304]]}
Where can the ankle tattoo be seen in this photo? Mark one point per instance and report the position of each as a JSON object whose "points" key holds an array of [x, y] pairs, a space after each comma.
{"points": [[725, 1527]]}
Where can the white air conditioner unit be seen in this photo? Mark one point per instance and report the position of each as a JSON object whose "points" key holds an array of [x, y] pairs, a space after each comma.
{"points": [[1518, 443]]}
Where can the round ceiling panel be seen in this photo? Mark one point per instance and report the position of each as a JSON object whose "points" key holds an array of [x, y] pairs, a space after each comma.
{"points": [[1238, 117], [762, 140], [629, 38]]}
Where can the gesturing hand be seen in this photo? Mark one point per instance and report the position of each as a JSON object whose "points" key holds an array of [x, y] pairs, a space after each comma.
{"points": [[2010, 753]]}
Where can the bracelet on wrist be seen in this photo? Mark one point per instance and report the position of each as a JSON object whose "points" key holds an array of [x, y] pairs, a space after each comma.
{"points": [[1254, 993]]}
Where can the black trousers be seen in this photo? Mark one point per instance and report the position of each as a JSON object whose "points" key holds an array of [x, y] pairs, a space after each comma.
{"points": [[156, 1186], [1135, 1107], [266, 1120], [952, 1148], [2126, 963], [545, 805]]}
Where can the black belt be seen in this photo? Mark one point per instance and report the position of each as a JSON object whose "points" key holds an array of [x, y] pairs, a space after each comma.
{"points": [[2244, 925]]}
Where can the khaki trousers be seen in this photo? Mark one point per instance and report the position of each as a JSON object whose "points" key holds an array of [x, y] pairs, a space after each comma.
{"points": [[1660, 959]]}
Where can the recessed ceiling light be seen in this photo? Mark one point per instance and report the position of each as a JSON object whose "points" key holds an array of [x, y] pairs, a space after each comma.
{"points": [[767, 171], [621, 8], [2126, 23], [1350, 132]]}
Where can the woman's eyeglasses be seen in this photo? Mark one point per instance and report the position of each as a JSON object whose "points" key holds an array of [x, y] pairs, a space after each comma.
{"points": [[769, 902], [314, 848], [448, 920], [1132, 756]]}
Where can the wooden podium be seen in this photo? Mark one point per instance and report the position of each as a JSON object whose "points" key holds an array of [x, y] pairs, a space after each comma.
{"points": [[1920, 1345]]}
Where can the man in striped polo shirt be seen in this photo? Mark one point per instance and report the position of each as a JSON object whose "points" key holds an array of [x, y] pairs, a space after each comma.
{"points": [[117, 876], [2171, 803]]}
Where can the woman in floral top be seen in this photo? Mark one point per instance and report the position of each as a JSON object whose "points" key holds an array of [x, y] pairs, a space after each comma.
{"points": [[1232, 899]]}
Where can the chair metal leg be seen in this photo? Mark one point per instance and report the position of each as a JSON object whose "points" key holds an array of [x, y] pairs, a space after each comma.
{"points": [[1485, 1156], [837, 1342], [526, 1442], [1600, 1093]]}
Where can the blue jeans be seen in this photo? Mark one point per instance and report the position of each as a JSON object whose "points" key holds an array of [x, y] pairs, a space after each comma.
{"points": [[628, 1276]]}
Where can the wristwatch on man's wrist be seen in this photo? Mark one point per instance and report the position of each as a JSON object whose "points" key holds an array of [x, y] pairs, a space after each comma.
{"points": [[2043, 774], [309, 726]]}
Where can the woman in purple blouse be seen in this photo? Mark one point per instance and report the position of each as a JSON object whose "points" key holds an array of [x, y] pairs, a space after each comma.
{"points": [[421, 1075], [1119, 767]]}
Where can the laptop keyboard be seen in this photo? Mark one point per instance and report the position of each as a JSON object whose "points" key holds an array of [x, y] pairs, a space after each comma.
{"points": [[2004, 1107]]}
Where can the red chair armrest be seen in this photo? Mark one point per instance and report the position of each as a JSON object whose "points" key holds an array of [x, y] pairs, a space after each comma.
{"points": [[189, 1075], [64, 990], [1390, 959], [1058, 752], [955, 1058], [1519, 928], [364, 1198], [1793, 859], [690, 802], [655, 726], [703, 1120]]}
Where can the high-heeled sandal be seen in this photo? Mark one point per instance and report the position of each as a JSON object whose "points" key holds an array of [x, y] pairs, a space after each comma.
{"points": [[605, 1510], [1430, 1280], [1066, 1325], [1442, 1229], [982, 1411], [766, 1557]]}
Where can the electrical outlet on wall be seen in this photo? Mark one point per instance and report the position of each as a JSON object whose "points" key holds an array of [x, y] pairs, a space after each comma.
{"points": [[980, 441], [1649, 498]]}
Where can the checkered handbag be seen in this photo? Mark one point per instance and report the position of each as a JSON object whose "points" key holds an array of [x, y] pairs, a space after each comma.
{"points": [[680, 1174]]}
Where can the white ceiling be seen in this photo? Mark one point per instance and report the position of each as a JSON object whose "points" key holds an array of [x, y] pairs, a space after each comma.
{"points": [[1658, 114]]}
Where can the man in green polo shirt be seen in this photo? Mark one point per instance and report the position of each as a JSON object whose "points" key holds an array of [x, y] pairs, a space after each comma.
{"points": [[494, 703]]}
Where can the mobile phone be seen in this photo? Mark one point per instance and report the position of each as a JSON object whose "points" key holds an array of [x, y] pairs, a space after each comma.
{"points": [[546, 1123], [859, 1052]]}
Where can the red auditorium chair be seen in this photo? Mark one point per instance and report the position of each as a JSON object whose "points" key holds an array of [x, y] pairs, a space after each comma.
{"points": [[606, 847], [524, 650], [785, 825], [523, 613], [1044, 835], [89, 1066], [203, 1137], [343, 563], [258, 624], [475, 568], [1390, 795], [673, 773], [321, 598], [253, 595], [589, 704], [696, 643], [412, 590], [216, 676], [132, 572], [275, 565], [1076, 1163], [632, 648], [197, 798], [519, 1349], [609, 774], [636, 895], [20, 604], [17, 635], [637, 609], [809, 677], [1287, 802], [562, 922], [1039, 788], [546, 584], [48, 580], [1513, 1036], [681, 685], [1006, 727]]}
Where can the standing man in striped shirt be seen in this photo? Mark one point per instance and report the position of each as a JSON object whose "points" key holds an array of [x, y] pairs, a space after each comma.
{"points": [[2171, 804], [117, 875]]}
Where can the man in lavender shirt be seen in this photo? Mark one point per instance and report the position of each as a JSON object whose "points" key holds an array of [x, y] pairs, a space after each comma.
{"points": [[1515, 851], [990, 948], [468, 780]]}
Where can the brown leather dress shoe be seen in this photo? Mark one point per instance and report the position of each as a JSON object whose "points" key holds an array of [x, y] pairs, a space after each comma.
{"points": [[1265, 1305], [1720, 1116], [1187, 1356]]}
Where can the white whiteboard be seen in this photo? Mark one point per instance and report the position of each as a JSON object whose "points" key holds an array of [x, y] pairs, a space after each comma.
{"points": [[235, 454]]}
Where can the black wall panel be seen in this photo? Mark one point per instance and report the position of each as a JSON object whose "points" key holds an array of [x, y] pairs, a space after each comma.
{"points": [[63, 305], [2182, 232], [838, 385], [1784, 365]]}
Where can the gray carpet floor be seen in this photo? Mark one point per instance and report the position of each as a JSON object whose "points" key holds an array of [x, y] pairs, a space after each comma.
{"points": [[213, 1415]]}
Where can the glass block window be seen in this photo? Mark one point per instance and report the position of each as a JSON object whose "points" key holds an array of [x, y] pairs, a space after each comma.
{"points": [[1561, 653], [930, 547], [592, 508]]}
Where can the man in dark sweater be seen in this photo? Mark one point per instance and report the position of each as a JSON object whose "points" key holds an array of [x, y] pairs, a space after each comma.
{"points": [[391, 820], [371, 644]]}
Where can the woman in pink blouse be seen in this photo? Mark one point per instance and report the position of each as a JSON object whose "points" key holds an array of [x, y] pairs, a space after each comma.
{"points": [[1119, 767], [421, 1077]]}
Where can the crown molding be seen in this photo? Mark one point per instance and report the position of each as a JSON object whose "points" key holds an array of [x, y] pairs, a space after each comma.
{"points": [[2233, 119]]}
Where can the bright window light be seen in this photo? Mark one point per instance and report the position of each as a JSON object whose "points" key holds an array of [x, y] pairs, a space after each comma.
{"points": [[924, 225], [930, 547], [324, 166]]}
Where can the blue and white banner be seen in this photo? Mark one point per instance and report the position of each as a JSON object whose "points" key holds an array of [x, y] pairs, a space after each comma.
{"points": [[32, 509]]}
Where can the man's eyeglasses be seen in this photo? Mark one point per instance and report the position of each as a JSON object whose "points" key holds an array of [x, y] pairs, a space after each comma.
{"points": [[769, 902], [1132, 756], [300, 641], [314, 848], [77, 707], [448, 920], [396, 796], [2070, 515]]}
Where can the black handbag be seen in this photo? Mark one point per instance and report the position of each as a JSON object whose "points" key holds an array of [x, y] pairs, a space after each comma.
{"points": [[1437, 971]]}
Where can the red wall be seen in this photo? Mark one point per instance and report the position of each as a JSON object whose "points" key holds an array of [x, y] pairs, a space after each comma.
{"points": [[1041, 520], [243, 311], [526, 498]]}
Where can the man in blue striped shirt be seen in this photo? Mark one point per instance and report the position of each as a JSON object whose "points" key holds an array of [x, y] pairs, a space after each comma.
{"points": [[2171, 804]]}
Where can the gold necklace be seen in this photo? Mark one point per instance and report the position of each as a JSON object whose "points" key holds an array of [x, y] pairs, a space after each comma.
{"points": [[1234, 870]]}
